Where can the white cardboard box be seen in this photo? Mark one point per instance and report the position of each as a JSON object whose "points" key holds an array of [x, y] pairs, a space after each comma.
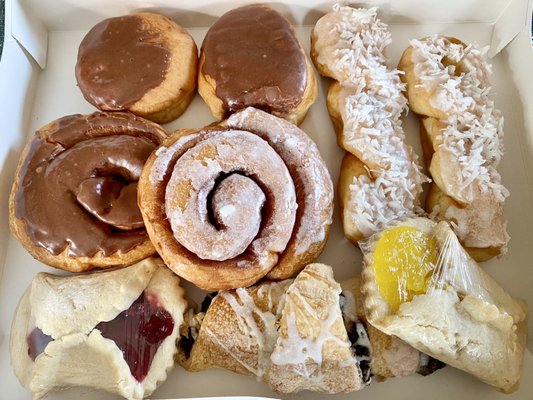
{"points": [[38, 85]]}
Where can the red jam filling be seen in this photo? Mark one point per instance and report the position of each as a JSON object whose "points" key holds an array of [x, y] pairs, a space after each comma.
{"points": [[138, 332], [37, 341]]}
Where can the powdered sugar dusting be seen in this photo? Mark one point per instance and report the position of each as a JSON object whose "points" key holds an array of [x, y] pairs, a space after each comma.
{"points": [[164, 155]]}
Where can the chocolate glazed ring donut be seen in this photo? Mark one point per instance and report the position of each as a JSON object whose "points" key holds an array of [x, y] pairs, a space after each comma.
{"points": [[228, 204], [74, 201]]}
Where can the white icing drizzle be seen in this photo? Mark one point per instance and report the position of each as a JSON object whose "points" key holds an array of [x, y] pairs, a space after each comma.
{"points": [[474, 127], [164, 155], [295, 349], [194, 176], [247, 313], [350, 43], [309, 172]]}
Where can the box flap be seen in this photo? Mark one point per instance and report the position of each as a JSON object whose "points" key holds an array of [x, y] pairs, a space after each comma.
{"points": [[27, 30], [513, 19]]}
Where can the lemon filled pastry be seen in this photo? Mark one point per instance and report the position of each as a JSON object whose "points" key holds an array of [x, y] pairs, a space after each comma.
{"points": [[228, 204], [420, 285], [251, 57], [112, 330], [73, 204], [447, 84], [380, 178], [307, 333]]}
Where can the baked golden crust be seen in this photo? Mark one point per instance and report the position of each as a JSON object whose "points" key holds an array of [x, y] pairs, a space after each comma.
{"points": [[78, 354], [351, 168], [172, 96], [168, 101], [462, 318], [380, 180], [238, 329], [314, 189], [458, 192], [290, 334], [95, 125], [206, 274], [301, 334], [207, 87], [301, 178], [390, 356]]}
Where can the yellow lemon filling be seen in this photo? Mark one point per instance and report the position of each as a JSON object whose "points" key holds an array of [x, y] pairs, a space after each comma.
{"points": [[404, 261]]}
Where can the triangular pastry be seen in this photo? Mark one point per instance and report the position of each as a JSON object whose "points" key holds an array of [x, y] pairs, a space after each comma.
{"points": [[301, 334], [420, 285], [112, 330], [312, 351]]}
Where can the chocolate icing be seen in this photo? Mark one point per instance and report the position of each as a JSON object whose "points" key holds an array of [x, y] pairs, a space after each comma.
{"points": [[119, 61], [77, 184], [255, 59]]}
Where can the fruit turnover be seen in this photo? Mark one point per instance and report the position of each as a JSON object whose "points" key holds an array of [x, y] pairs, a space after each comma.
{"points": [[113, 330], [420, 285]]}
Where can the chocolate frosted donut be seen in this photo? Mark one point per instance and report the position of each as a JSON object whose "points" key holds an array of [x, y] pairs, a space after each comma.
{"points": [[225, 205], [251, 57], [74, 201], [144, 63]]}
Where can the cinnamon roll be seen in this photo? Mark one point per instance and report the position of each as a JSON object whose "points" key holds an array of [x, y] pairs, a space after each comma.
{"points": [[227, 204], [73, 204]]}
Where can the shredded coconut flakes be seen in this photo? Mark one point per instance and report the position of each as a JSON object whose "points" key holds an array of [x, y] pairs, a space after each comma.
{"points": [[371, 111], [474, 132]]}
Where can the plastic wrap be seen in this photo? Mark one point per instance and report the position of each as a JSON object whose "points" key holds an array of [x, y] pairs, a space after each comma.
{"points": [[420, 285], [309, 333], [113, 330]]}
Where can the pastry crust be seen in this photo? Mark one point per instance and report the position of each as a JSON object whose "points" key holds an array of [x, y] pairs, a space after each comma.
{"points": [[380, 180], [293, 238], [295, 335], [290, 334], [97, 125], [207, 87], [314, 189], [462, 138], [483, 233], [351, 169], [390, 357], [238, 331], [79, 355], [171, 97], [312, 351], [464, 319]]}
